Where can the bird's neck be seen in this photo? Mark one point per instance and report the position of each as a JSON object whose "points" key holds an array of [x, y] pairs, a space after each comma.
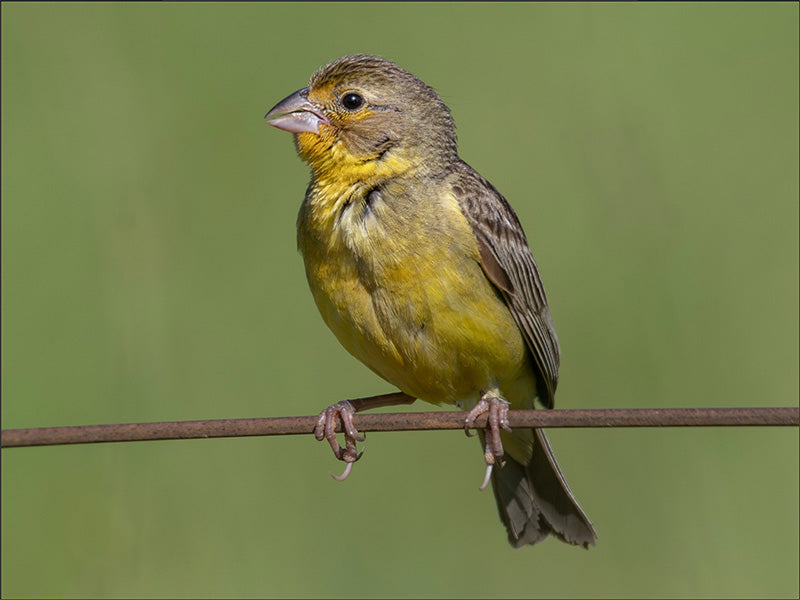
{"points": [[338, 171]]}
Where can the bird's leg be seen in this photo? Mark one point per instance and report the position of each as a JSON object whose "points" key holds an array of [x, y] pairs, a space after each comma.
{"points": [[497, 408], [343, 411]]}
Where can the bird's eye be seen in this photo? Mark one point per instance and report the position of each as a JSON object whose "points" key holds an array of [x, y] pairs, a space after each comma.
{"points": [[352, 101]]}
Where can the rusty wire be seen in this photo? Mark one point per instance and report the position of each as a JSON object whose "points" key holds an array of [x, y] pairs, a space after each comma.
{"points": [[615, 417]]}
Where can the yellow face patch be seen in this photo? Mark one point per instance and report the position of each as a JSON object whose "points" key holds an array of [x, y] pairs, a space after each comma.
{"points": [[327, 151], [321, 96], [328, 97]]}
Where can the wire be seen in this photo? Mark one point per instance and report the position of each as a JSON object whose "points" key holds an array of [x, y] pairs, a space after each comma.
{"points": [[615, 417]]}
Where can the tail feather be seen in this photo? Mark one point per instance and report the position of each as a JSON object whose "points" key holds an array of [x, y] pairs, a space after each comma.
{"points": [[534, 500]]}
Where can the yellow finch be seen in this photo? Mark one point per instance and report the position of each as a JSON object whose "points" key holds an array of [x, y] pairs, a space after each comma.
{"points": [[422, 271]]}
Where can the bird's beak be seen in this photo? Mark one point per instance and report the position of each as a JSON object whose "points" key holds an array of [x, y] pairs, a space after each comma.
{"points": [[296, 114]]}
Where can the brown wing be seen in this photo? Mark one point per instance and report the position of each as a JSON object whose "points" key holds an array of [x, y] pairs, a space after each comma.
{"points": [[508, 263]]}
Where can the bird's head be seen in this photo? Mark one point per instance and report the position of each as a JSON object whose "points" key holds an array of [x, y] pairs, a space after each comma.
{"points": [[365, 115]]}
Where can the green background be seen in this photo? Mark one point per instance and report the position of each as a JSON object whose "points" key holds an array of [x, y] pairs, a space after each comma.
{"points": [[149, 273]]}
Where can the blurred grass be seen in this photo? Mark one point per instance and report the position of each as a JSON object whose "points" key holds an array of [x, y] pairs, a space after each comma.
{"points": [[150, 273]]}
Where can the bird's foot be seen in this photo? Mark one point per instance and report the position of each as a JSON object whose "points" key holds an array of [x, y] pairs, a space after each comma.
{"points": [[498, 419], [326, 430]]}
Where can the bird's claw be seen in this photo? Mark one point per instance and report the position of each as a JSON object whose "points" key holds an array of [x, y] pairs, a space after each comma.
{"points": [[498, 419], [326, 430]]}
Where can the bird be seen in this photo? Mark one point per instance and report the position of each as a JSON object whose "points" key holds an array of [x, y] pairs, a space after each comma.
{"points": [[422, 270]]}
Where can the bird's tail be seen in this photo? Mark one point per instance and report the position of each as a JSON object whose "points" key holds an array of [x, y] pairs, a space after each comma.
{"points": [[535, 501]]}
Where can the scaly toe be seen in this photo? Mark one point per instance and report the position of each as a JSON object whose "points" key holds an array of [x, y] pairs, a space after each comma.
{"points": [[326, 430], [481, 407]]}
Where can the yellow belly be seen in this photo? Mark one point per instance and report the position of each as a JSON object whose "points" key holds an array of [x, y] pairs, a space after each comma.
{"points": [[400, 285]]}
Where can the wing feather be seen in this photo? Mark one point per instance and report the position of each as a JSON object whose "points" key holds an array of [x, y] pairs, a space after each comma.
{"points": [[508, 263]]}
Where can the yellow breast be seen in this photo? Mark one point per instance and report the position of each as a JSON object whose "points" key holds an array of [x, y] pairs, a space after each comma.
{"points": [[396, 276]]}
